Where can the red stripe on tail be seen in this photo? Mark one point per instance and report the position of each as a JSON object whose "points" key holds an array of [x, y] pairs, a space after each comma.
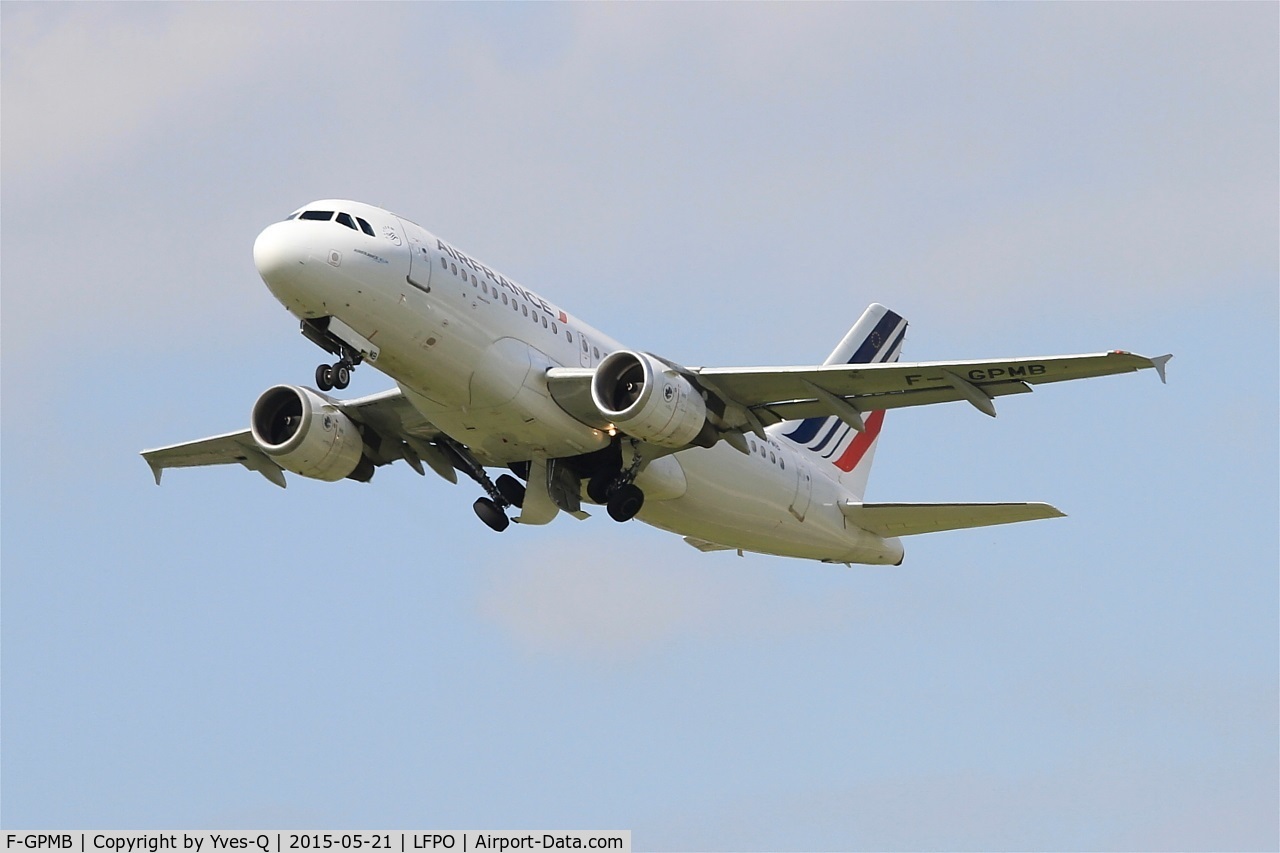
{"points": [[861, 443]]}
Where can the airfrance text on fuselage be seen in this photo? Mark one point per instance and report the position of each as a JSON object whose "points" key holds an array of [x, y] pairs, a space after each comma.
{"points": [[498, 278]]}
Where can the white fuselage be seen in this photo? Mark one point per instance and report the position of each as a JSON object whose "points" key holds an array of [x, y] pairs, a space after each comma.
{"points": [[470, 347]]}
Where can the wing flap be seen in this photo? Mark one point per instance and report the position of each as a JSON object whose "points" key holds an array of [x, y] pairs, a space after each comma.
{"points": [[910, 519]]}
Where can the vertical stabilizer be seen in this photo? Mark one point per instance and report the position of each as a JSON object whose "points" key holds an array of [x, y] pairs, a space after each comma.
{"points": [[875, 339]]}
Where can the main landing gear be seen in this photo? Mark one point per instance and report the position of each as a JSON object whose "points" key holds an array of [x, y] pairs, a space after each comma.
{"points": [[507, 491], [625, 502], [491, 514], [618, 491]]}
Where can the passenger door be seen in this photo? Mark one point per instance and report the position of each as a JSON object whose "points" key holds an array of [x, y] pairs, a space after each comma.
{"points": [[804, 488], [419, 256]]}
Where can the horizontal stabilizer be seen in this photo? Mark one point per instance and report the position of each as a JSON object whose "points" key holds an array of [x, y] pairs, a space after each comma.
{"points": [[910, 519]]}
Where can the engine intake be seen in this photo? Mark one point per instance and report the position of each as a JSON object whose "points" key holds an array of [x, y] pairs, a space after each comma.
{"points": [[306, 434], [648, 399]]}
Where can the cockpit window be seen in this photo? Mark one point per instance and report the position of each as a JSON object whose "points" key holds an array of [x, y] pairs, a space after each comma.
{"points": [[318, 215], [367, 228], [345, 219]]}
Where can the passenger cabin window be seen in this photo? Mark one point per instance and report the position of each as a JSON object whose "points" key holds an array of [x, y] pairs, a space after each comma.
{"points": [[366, 227], [568, 336], [317, 215], [595, 352], [345, 219]]}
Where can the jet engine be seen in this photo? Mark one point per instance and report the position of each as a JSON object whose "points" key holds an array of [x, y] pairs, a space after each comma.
{"points": [[649, 400], [306, 434]]}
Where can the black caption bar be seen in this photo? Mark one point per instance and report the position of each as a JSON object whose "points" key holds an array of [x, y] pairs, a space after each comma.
{"points": [[275, 841]]}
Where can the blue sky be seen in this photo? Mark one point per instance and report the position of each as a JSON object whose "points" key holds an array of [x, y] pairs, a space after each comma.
{"points": [[721, 184]]}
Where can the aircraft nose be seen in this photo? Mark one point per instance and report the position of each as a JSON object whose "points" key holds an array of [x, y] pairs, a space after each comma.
{"points": [[279, 253]]}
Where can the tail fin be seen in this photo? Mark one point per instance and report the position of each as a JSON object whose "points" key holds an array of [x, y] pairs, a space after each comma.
{"points": [[876, 338]]}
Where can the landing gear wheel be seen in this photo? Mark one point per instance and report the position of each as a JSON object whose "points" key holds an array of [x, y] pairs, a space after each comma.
{"points": [[598, 487], [324, 377], [511, 489], [625, 502], [491, 514], [341, 374]]}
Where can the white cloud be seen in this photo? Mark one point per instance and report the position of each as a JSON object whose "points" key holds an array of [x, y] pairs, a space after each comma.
{"points": [[626, 596]]}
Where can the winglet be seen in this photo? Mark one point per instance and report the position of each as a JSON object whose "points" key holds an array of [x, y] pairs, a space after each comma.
{"points": [[1159, 363], [156, 468]]}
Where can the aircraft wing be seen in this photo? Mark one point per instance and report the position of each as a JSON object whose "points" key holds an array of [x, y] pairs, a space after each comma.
{"points": [[743, 397], [392, 429], [788, 393], [218, 450]]}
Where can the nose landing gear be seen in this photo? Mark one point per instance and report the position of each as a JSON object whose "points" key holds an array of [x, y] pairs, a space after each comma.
{"points": [[336, 375]]}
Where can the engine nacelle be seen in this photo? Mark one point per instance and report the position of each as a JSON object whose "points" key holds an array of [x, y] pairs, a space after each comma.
{"points": [[304, 433], [648, 400]]}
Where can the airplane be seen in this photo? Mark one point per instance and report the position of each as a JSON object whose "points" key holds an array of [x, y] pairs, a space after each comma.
{"points": [[490, 375]]}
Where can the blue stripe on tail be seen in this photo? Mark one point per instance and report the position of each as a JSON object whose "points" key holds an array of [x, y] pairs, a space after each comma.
{"points": [[866, 353], [875, 341]]}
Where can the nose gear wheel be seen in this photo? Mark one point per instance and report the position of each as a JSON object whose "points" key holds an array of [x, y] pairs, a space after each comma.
{"points": [[330, 376]]}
